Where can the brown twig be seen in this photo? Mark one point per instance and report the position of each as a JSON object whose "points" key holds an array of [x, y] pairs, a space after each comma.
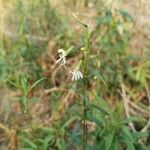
{"points": [[126, 105]]}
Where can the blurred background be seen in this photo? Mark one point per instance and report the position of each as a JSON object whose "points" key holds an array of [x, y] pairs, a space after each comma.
{"points": [[32, 31]]}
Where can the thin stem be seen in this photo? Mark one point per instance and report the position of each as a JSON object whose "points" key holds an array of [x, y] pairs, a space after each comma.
{"points": [[86, 54], [85, 65], [85, 130]]}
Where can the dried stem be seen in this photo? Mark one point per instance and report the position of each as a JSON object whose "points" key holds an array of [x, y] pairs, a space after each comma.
{"points": [[126, 105]]}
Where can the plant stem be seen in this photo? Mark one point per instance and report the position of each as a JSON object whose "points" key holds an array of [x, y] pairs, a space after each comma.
{"points": [[86, 54], [85, 130], [85, 65]]}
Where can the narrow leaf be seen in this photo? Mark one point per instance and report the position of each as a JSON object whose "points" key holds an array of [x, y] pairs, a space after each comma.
{"points": [[100, 109], [109, 141], [38, 81]]}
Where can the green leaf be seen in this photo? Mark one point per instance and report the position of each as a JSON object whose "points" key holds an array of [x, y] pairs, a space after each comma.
{"points": [[24, 83], [25, 104], [37, 82], [45, 143], [101, 144], [139, 135], [13, 83], [116, 145], [30, 144], [109, 141], [86, 98], [62, 145], [98, 75], [131, 119], [69, 122], [87, 102], [97, 121], [128, 142], [69, 50], [127, 133], [100, 109], [102, 132], [48, 130]]}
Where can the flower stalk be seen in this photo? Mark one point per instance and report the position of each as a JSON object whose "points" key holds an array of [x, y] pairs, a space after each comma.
{"points": [[86, 50]]}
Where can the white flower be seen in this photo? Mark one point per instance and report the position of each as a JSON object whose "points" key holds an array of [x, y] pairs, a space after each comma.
{"points": [[120, 29], [62, 57], [76, 74]]}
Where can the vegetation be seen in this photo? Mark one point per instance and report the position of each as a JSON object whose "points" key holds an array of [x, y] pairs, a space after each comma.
{"points": [[74, 79]]}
